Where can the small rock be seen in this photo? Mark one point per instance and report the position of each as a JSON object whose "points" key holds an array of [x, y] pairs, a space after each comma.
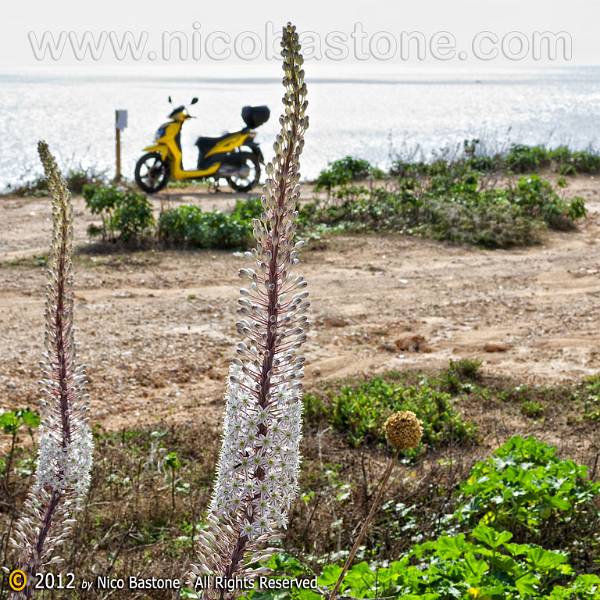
{"points": [[374, 269], [334, 322], [496, 347], [412, 343]]}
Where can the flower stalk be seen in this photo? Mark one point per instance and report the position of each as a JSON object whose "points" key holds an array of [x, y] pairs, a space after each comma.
{"points": [[258, 466], [403, 431], [65, 451]]}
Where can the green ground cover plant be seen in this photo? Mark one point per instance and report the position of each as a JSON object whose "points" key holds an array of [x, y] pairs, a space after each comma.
{"points": [[486, 560], [525, 488], [460, 201], [359, 412], [521, 158]]}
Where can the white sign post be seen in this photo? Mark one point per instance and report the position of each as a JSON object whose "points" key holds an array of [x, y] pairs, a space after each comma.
{"points": [[120, 124]]}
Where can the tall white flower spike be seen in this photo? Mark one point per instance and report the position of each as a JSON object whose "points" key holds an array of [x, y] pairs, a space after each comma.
{"points": [[64, 459], [257, 475]]}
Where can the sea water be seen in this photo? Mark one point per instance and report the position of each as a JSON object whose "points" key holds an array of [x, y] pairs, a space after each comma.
{"points": [[373, 113]]}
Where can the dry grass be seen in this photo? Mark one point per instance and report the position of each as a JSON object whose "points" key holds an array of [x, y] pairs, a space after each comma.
{"points": [[130, 525]]}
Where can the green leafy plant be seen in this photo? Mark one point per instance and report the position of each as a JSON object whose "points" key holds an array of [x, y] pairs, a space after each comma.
{"points": [[344, 171], [76, 178], [591, 398], [485, 564], [466, 368], [536, 198], [584, 586], [486, 561], [126, 215], [11, 422], [449, 203], [525, 488], [527, 159], [460, 375], [585, 161], [532, 409], [189, 226], [245, 211], [486, 224]]}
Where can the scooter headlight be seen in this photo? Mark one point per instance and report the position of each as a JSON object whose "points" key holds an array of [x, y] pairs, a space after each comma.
{"points": [[160, 132]]}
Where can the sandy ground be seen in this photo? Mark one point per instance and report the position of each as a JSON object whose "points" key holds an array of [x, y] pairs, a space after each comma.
{"points": [[156, 329]]}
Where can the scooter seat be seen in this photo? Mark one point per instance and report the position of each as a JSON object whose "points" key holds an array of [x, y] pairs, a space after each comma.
{"points": [[206, 143]]}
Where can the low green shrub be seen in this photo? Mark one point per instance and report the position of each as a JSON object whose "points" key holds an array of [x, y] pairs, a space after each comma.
{"points": [[459, 376], [537, 199], [344, 171], [126, 215], [585, 161], [79, 177], [361, 210], [245, 211], [360, 411], [488, 224], [450, 205], [525, 488], [466, 368], [519, 158], [571, 162], [526, 159], [190, 226]]}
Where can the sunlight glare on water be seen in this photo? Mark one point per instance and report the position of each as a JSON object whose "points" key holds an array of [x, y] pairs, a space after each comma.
{"points": [[369, 113]]}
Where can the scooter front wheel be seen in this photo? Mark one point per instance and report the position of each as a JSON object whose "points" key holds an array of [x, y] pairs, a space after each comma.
{"points": [[151, 173]]}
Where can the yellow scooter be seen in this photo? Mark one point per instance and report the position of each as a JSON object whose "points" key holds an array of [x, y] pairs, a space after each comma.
{"points": [[235, 157]]}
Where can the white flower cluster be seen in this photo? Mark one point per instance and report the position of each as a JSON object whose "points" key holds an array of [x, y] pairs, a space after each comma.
{"points": [[65, 452], [257, 475], [258, 471], [65, 468]]}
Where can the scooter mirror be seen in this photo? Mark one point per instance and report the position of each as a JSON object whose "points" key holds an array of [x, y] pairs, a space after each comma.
{"points": [[194, 100]]}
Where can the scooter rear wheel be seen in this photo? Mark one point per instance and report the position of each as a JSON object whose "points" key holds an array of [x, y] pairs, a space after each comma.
{"points": [[151, 173], [248, 177]]}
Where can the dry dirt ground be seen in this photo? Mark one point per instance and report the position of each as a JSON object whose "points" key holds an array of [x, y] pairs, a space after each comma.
{"points": [[156, 328]]}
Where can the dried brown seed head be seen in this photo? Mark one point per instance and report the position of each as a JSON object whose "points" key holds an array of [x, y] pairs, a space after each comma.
{"points": [[403, 430]]}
